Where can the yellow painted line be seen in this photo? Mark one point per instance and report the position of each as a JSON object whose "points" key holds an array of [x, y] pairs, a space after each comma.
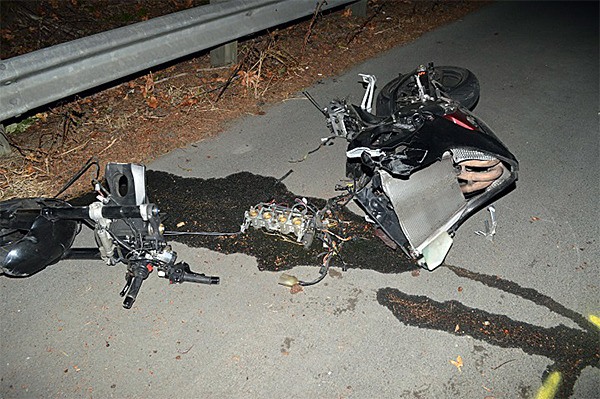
{"points": [[595, 320], [550, 386]]}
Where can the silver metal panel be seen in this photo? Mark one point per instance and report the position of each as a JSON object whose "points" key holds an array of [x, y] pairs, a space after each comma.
{"points": [[40, 77], [463, 154], [426, 202]]}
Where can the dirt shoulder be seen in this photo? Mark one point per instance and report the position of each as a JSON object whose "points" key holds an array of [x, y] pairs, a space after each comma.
{"points": [[168, 108]]}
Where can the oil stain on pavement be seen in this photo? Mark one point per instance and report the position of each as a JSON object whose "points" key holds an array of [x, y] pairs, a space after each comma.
{"points": [[218, 204]]}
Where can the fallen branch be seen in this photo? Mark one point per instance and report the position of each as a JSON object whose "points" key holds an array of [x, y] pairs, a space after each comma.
{"points": [[230, 79], [312, 23], [362, 27]]}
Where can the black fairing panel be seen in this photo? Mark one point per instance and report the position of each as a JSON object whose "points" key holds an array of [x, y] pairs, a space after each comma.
{"points": [[43, 244], [435, 136]]}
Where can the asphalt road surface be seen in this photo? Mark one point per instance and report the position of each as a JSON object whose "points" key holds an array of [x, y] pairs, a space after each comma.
{"points": [[360, 334]]}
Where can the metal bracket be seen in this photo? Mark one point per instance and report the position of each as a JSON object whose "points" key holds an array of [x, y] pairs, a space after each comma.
{"points": [[367, 102], [490, 225]]}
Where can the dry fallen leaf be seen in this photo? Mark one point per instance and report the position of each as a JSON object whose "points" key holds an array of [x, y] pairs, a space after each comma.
{"points": [[188, 102], [180, 224], [152, 102], [534, 219], [296, 289], [457, 328], [458, 363]]}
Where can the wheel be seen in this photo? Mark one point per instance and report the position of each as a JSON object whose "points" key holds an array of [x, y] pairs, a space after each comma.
{"points": [[460, 84]]}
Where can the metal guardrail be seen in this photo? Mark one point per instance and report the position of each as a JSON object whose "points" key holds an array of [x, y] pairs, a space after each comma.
{"points": [[43, 76]]}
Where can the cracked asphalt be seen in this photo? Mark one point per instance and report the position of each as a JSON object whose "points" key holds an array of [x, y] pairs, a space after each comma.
{"points": [[359, 333]]}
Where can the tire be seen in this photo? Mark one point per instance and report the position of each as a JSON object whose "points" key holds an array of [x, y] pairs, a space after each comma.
{"points": [[459, 84]]}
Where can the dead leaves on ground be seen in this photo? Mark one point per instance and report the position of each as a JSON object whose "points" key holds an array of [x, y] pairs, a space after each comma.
{"points": [[458, 363]]}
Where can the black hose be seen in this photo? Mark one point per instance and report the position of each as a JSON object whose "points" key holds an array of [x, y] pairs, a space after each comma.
{"points": [[76, 176]]}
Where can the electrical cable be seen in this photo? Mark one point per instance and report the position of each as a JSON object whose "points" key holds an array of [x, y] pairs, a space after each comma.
{"points": [[200, 233], [76, 176], [322, 272]]}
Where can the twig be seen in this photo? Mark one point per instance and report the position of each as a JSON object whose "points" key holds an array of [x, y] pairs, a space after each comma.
{"points": [[312, 23], [212, 68], [502, 364], [388, 29], [268, 85], [108, 146], [230, 79], [74, 149], [170, 77], [185, 351], [364, 24]]}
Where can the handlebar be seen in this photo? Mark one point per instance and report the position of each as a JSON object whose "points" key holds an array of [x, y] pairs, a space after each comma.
{"points": [[200, 278], [134, 288], [135, 278], [176, 273], [181, 273]]}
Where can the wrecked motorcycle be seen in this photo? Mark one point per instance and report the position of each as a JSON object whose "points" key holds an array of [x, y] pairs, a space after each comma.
{"points": [[423, 163], [37, 232], [420, 166]]}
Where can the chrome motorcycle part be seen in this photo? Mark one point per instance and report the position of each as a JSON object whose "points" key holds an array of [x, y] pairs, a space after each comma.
{"points": [[367, 101], [299, 221]]}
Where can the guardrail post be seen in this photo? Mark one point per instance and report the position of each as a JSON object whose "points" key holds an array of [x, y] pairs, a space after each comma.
{"points": [[4, 146], [225, 54], [359, 8]]}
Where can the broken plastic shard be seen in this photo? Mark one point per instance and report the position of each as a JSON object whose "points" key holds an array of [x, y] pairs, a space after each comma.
{"points": [[288, 280], [490, 225], [435, 253]]}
